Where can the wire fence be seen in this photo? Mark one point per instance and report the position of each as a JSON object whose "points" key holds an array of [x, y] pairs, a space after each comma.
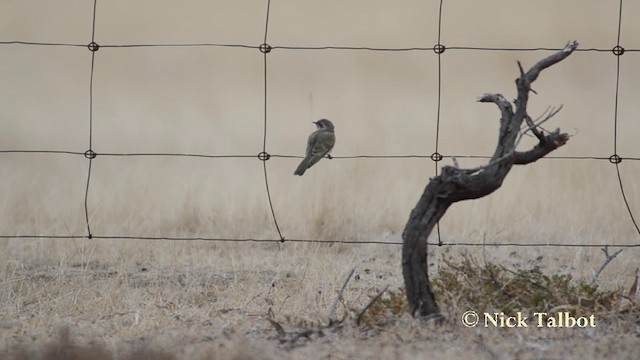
{"points": [[265, 48]]}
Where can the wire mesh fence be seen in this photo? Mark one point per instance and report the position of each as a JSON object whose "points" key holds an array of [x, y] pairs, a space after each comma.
{"points": [[267, 49]]}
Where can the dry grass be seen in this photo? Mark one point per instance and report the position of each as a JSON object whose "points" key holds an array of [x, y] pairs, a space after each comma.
{"points": [[201, 300]]}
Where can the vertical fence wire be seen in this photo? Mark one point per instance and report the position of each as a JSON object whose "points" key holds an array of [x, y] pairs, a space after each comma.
{"points": [[265, 48], [90, 154], [436, 157], [615, 121]]}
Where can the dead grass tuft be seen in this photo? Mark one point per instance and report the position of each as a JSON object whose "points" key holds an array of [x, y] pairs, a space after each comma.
{"points": [[490, 287], [384, 311], [464, 285]]}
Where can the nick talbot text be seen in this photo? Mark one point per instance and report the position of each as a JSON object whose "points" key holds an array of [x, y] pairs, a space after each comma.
{"points": [[562, 319]]}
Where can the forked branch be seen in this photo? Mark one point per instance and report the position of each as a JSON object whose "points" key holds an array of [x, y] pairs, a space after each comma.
{"points": [[455, 184]]}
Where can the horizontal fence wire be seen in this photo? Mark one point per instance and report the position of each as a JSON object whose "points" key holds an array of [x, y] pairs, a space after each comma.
{"points": [[263, 156], [257, 156], [286, 47], [312, 241]]}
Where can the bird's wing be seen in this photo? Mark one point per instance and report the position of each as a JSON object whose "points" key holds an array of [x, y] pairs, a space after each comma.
{"points": [[323, 142], [311, 143]]}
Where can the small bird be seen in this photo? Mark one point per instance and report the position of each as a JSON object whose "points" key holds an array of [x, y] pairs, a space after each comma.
{"points": [[319, 144]]}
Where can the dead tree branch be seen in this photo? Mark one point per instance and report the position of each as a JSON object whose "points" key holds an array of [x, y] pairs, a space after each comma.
{"points": [[455, 184]]}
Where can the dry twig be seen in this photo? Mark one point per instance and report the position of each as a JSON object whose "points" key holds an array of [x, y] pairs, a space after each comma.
{"points": [[335, 302], [608, 259], [375, 298]]}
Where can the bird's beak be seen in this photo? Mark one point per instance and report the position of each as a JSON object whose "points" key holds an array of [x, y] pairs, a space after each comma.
{"points": [[314, 122]]}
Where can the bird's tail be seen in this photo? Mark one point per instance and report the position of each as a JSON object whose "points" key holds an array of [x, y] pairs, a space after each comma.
{"points": [[302, 167]]}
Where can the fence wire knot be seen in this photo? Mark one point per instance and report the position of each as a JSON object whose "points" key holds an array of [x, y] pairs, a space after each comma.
{"points": [[615, 159], [90, 154], [265, 48], [93, 46], [617, 50], [439, 48], [264, 156]]}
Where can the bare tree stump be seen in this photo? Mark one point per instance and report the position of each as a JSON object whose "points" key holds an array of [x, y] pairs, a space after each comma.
{"points": [[455, 184]]}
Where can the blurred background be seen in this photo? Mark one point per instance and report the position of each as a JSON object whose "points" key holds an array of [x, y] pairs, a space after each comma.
{"points": [[211, 100]]}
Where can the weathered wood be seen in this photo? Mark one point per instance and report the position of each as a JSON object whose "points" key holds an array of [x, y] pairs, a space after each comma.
{"points": [[455, 184]]}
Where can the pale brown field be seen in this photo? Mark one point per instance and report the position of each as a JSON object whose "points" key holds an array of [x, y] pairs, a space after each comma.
{"points": [[198, 299]]}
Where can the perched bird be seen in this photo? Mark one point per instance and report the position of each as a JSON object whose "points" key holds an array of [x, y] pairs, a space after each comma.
{"points": [[319, 144]]}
